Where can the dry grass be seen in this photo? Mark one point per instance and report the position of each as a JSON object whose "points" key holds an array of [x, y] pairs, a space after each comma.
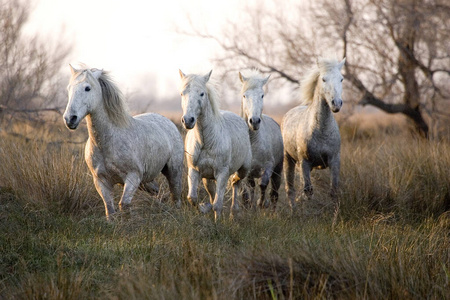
{"points": [[390, 240]]}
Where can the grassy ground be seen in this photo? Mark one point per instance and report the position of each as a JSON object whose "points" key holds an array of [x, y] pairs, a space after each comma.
{"points": [[391, 239]]}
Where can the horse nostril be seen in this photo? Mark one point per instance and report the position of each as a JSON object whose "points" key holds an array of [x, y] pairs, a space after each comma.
{"points": [[333, 102], [255, 121], [73, 119], [188, 121]]}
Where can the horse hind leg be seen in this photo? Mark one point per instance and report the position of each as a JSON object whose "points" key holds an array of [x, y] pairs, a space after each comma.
{"points": [[151, 187], [173, 174], [131, 185], [236, 184]]}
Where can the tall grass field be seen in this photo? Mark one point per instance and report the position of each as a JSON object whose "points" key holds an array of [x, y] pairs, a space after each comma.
{"points": [[391, 239]]}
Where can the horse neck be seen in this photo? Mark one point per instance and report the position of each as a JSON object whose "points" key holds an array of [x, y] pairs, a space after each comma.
{"points": [[321, 114], [99, 126], [207, 128]]}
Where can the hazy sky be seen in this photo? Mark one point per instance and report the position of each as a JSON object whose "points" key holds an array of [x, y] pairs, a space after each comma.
{"points": [[135, 39]]}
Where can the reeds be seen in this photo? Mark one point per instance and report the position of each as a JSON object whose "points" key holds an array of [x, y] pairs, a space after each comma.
{"points": [[390, 240]]}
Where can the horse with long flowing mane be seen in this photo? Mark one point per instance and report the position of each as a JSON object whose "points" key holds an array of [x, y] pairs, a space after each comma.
{"points": [[310, 133], [265, 138], [217, 143], [122, 149]]}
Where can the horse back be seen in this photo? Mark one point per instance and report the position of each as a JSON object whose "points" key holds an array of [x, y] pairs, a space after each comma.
{"points": [[144, 147]]}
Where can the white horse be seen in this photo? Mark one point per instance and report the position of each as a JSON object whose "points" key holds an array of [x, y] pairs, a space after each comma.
{"points": [[265, 138], [122, 149], [217, 143], [310, 133]]}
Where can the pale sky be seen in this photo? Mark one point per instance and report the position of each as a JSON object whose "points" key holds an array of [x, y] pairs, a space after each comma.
{"points": [[135, 39]]}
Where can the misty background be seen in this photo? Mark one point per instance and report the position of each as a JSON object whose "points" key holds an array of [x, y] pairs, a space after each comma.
{"points": [[397, 52]]}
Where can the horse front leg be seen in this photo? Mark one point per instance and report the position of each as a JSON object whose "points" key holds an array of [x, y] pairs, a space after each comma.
{"points": [[105, 190], [335, 167], [132, 182], [249, 197], [262, 203], [210, 186], [193, 180], [221, 185], [306, 171], [275, 181], [289, 166]]}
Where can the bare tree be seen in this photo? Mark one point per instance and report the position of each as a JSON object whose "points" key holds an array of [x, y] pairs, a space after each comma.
{"points": [[29, 68], [397, 50]]}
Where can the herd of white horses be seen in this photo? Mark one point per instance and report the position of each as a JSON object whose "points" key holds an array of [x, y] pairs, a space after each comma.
{"points": [[219, 146]]}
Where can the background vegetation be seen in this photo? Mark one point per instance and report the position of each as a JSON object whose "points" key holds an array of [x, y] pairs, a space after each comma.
{"points": [[390, 241]]}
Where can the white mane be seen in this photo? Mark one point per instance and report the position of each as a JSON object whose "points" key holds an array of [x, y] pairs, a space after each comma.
{"points": [[253, 80], [309, 82], [193, 80]]}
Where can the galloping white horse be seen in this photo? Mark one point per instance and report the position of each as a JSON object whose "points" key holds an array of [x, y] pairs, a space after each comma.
{"points": [[310, 133], [122, 149], [217, 143], [265, 138]]}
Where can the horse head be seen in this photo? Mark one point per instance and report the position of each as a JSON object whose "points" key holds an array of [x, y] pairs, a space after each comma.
{"points": [[331, 83], [84, 93], [194, 95], [252, 99]]}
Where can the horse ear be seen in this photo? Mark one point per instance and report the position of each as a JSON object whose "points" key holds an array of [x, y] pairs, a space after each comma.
{"points": [[242, 78], [207, 76], [264, 81], [341, 64], [73, 71], [182, 75], [96, 73]]}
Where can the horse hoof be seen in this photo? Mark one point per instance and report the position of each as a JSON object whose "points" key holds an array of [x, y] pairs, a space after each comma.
{"points": [[308, 192], [124, 206], [217, 216], [178, 204], [205, 208], [192, 201]]}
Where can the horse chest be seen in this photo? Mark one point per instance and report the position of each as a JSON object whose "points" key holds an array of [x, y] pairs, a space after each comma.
{"points": [[205, 161], [112, 163], [318, 152]]}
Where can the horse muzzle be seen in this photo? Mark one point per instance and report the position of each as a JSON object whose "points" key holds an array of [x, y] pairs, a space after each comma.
{"points": [[254, 123], [336, 105], [72, 122], [188, 122]]}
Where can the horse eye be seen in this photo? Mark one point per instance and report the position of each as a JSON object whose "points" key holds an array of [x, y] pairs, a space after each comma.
{"points": [[323, 79], [87, 89], [202, 94], [244, 96], [342, 79], [262, 96]]}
